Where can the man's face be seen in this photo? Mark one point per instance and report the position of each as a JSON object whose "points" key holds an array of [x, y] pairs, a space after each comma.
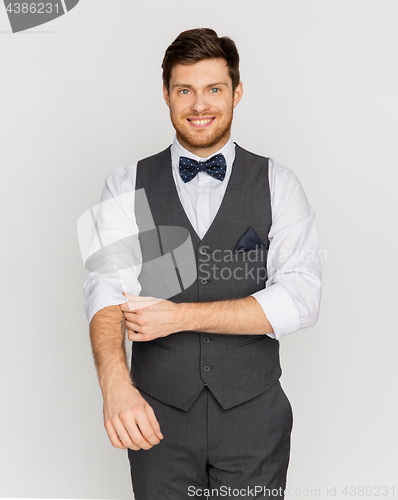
{"points": [[201, 105]]}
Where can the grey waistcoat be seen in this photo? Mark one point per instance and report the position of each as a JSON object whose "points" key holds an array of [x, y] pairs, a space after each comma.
{"points": [[236, 368]]}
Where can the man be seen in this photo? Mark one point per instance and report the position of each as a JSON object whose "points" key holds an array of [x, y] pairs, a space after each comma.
{"points": [[202, 411]]}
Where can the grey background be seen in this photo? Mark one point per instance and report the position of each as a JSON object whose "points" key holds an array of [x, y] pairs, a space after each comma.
{"points": [[81, 96]]}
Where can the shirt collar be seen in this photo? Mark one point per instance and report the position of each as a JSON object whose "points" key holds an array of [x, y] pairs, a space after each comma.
{"points": [[177, 150]]}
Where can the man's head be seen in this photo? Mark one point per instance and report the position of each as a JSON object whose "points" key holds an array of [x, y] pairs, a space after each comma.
{"points": [[201, 86], [195, 45]]}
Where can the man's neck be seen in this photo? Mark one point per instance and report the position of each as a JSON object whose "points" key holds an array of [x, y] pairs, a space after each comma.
{"points": [[206, 151]]}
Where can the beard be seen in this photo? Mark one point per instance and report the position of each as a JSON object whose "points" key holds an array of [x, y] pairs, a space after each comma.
{"points": [[202, 138]]}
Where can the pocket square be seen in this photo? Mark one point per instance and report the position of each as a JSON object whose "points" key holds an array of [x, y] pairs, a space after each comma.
{"points": [[249, 241]]}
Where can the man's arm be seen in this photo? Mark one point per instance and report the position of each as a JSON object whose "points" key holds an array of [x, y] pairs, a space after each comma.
{"points": [[290, 300], [129, 420], [153, 318], [240, 316]]}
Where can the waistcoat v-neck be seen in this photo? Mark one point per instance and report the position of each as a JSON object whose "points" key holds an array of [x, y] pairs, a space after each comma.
{"points": [[236, 368]]}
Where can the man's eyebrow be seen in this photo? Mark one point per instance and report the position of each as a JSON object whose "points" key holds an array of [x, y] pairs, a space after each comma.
{"points": [[218, 84], [207, 86]]}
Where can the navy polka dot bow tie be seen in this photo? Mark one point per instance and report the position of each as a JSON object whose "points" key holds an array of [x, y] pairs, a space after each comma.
{"points": [[215, 166]]}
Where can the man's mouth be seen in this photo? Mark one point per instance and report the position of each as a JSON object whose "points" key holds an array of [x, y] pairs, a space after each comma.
{"points": [[201, 122]]}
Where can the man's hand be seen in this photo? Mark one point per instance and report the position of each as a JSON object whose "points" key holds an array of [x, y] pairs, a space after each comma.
{"points": [[148, 318], [129, 420]]}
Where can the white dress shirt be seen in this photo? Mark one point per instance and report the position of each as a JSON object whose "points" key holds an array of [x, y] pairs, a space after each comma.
{"points": [[291, 297]]}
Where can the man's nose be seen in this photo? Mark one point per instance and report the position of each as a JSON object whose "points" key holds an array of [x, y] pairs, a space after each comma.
{"points": [[200, 103]]}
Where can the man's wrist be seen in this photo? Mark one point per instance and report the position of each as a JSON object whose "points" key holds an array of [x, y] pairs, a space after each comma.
{"points": [[116, 377], [184, 317]]}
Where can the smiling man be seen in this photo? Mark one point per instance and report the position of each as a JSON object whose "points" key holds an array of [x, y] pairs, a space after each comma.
{"points": [[201, 98], [202, 410]]}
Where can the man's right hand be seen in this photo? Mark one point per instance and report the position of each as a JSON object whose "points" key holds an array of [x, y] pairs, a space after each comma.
{"points": [[128, 419]]}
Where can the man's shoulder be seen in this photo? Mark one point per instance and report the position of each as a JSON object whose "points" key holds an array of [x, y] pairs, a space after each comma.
{"points": [[122, 178], [279, 174], [155, 158], [274, 165], [246, 152], [122, 175], [280, 169]]}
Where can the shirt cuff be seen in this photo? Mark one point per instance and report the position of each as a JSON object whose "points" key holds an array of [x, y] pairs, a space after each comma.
{"points": [[279, 309], [102, 297]]}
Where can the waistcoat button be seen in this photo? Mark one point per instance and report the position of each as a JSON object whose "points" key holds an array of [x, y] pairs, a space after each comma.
{"points": [[204, 281], [202, 250], [206, 340], [206, 368]]}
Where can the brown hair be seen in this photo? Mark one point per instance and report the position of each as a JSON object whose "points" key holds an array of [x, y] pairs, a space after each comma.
{"points": [[196, 45]]}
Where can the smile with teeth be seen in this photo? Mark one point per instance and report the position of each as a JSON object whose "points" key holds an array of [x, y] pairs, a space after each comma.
{"points": [[200, 121]]}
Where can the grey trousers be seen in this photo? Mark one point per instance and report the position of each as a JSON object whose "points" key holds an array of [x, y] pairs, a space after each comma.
{"points": [[239, 453]]}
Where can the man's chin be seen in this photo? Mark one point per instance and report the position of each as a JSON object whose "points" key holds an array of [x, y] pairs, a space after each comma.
{"points": [[202, 141]]}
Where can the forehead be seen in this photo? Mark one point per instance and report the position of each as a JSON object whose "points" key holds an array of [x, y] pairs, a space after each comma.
{"points": [[201, 73]]}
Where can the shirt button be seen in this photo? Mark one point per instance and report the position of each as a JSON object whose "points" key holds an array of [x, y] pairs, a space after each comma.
{"points": [[203, 188], [206, 368], [202, 250], [206, 340]]}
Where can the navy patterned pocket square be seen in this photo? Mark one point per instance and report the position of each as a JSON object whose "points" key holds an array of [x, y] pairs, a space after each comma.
{"points": [[249, 241]]}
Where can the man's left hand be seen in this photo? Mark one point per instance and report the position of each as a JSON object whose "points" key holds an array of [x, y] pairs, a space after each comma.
{"points": [[148, 318]]}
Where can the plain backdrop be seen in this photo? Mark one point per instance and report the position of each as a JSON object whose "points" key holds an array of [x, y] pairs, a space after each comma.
{"points": [[81, 96]]}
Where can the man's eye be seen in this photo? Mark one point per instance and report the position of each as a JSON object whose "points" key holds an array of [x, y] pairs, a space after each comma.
{"points": [[215, 90], [184, 91]]}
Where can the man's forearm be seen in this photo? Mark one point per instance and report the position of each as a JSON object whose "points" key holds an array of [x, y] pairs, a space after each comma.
{"points": [[240, 316], [107, 334]]}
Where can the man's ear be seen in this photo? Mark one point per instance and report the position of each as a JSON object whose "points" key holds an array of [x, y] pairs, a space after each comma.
{"points": [[166, 96], [238, 94]]}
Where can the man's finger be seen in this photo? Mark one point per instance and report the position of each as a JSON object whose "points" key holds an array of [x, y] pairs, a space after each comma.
{"points": [[147, 430], [136, 302], [124, 436], [133, 333], [136, 435], [130, 315], [113, 437], [128, 420], [130, 297], [138, 337], [153, 421], [131, 325], [126, 307]]}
